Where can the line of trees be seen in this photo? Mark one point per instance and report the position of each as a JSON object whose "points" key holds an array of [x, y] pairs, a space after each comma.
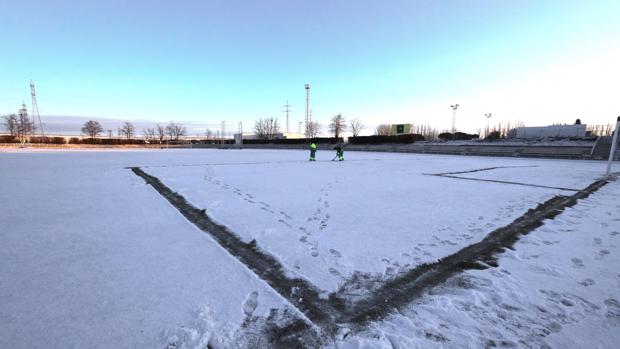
{"points": [[269, 127], [18, 125], [174, 131]]}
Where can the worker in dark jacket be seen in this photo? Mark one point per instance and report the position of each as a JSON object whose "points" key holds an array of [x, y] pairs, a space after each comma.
{"points": [[313, 151]]}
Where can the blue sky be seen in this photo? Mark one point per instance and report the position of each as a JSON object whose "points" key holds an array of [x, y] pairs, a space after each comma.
{"points": [[382, 61]]}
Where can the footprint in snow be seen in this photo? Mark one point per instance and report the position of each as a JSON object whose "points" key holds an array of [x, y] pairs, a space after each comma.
{"points": [[613, 311], [250, 304], [601, 254], [597, 241], [335, 253], [586, 282], [334, 272], [577, 263], [314, 250], [285, 223]]}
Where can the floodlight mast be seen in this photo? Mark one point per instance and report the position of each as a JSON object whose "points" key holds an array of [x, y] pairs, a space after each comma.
{"points": [[308, 115], [488, 116], [454, 108], [614, 144]]}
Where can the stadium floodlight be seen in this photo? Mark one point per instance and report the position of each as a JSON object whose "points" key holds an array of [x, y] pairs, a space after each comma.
{"points": [[488, 115], [454, 108], [614, 144]]}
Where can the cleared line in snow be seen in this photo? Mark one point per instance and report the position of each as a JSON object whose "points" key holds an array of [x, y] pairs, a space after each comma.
{"points": [[299, 292], [477, 170], [404, 289], [508, 182], [383, 297], [452, 175]]}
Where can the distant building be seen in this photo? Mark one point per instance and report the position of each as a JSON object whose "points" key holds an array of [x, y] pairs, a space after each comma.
{"points": [[294, 135], [278, 135], [554, 131], [400, 129]]}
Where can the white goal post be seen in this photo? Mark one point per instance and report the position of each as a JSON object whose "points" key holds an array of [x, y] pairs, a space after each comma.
{"points": [[614, 144]]}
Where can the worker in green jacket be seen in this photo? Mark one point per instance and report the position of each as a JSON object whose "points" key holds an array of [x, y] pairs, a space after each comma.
{"points": [[313, 152], [339, 151]]}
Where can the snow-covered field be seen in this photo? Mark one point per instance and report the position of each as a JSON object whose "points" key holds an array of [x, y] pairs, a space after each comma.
{"points": [[94, 257]]}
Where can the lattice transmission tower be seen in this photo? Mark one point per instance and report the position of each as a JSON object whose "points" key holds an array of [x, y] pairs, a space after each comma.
{"points": [[36, 117]]}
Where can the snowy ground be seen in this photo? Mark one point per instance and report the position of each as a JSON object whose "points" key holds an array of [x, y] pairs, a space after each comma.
{"points": [[94, 257]]}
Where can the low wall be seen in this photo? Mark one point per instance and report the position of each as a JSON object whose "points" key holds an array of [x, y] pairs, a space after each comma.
{"points": [[320, 146], [583, 151], [488, 149], [89, 146]]}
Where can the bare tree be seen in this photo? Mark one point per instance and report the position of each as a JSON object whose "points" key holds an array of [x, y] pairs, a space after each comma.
{"points": [[92, 128], [127, 130], [314, 128], [356, 126], [337, 125], [429, 132], [109, 133], [10, 124], [266, 128], [209, 134], [175, 131], [383, 130], [23, 127], [149, 134], [161, 133]]}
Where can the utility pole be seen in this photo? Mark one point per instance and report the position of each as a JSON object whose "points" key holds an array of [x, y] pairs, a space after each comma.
{"points": [[308, 116], [614, 144], [454, 108], [36, 117], [287, 110]]}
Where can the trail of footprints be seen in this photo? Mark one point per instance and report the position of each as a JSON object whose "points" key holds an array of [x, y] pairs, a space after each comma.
{"points": [[319, 219]]}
